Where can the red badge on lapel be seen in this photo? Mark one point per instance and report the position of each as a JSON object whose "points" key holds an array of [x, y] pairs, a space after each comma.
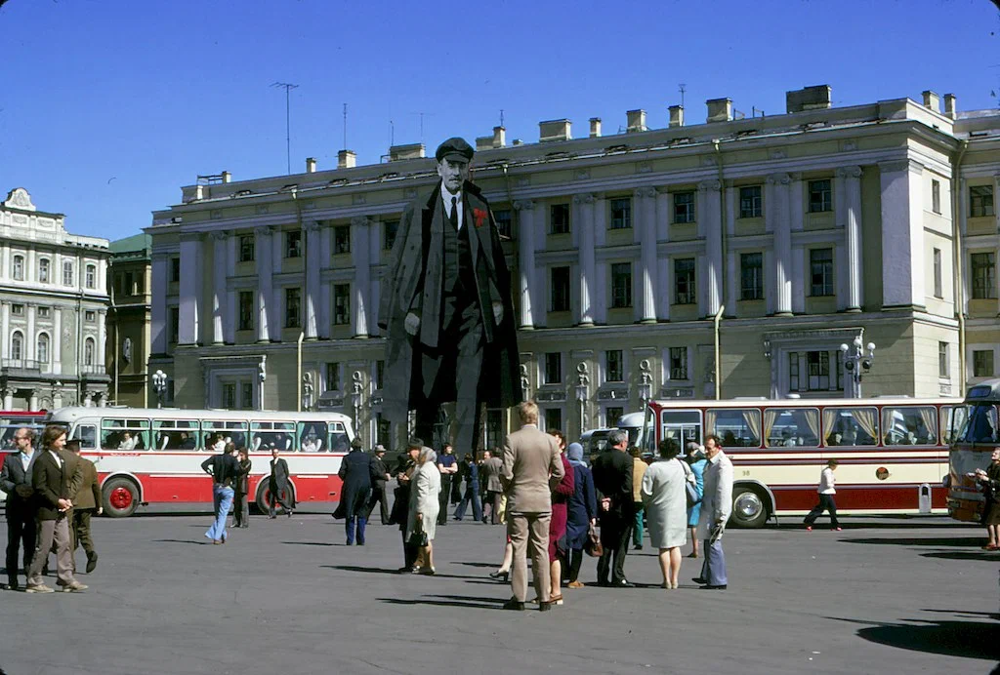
{"points": [[481, 216]]}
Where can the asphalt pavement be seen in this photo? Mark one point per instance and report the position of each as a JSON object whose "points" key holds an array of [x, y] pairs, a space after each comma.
{"points": [[886, 595]]}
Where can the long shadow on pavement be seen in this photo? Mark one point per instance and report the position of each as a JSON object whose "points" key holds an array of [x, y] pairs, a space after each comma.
{"points": [[969, 639], [919, 541], [207, 542], [384, 570], [311, 543], [463, 601], [477, 564], [985, 556]]}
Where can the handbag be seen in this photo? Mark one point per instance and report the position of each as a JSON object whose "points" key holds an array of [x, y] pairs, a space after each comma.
{"points": [[690, 488], [418, 538], [593, 544]]}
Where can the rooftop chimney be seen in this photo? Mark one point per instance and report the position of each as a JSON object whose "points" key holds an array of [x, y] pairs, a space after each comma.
{"points": [[595, 127], [310, 165], [676, 116], [555, 130], [719, 109], [408, 151], [226, 176], [484, 142], [636, 121], [346, 159], [816, 97], [932, 101], [949, 106], [499, 137]]}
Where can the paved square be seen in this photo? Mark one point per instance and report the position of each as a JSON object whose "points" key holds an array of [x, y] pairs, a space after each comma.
{"points": [[886, 595]]}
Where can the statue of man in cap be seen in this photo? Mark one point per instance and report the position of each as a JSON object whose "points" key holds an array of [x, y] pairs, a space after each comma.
{"points": [[446, 307]]}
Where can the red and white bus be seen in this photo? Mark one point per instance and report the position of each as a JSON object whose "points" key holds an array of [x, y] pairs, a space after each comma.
{"points": [[892, 452], [977, 436], [154, 455]]}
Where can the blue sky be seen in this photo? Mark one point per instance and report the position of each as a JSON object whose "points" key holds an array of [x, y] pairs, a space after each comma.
{"points": [[110, 106]]}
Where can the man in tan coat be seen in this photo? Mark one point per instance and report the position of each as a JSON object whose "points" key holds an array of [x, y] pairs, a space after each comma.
{"points": [[531, 467], [87, 500]]}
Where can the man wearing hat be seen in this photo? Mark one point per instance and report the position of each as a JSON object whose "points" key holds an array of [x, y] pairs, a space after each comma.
{"points": [[446, 307], [381, 473], [88, 500]]}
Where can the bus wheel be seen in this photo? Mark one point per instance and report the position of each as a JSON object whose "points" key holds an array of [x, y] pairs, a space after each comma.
{"points": [[121, 497], [750, 509], [263, 494]]}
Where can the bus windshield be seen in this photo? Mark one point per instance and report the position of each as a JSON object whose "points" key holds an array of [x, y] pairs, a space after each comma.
{"points": [[981, 424]]}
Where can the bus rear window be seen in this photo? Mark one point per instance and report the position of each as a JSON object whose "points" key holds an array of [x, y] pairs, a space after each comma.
{"points": [[791, 427]]}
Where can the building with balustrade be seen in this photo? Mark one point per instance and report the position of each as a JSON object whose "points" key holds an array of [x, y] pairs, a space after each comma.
{"points": [[637, 257], [53, 304]]}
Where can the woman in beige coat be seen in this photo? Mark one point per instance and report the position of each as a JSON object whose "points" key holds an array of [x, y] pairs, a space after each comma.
{"points": [[424, 507]]}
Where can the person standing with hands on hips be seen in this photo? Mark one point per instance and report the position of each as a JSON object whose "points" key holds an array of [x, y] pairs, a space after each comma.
{"points": [[224, 469]]}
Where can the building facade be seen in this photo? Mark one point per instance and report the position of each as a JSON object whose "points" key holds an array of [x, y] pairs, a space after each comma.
{"points": [[128, 321], [53, 303], [636, 258]]}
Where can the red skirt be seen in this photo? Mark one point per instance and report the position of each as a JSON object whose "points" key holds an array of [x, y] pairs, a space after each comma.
{"points": [[557, 530]]}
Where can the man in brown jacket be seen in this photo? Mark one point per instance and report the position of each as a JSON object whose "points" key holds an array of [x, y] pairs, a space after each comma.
{"points": [[531, 468], [87, 500]]}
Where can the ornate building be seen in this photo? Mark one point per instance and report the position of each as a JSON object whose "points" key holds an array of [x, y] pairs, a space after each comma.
{"points": [[128, 321], [637, 257], [53, 302]]}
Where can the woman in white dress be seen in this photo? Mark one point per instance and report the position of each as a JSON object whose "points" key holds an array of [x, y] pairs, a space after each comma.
{"points": [[664, 497], [424, 506]]}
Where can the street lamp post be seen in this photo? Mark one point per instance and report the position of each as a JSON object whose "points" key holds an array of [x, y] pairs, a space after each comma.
{"points": [[857, 363], [356, 391], [582, 392], [645, 383], [159, 386]]}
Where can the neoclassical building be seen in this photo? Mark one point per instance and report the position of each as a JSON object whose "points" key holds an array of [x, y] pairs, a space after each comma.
{"points": [[128, 323], [53, 304], [636, 256]]}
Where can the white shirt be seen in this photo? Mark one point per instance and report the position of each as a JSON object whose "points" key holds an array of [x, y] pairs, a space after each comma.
{"points": [[827, 482], [446, 198], [55, 456], [26, 459]]}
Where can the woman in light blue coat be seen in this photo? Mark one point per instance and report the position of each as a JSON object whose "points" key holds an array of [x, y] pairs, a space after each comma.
{"points": [[696, 460]]}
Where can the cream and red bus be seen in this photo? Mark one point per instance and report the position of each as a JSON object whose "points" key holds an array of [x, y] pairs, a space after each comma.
{"points": [[977, 435], [154, 455], [892, 452]]}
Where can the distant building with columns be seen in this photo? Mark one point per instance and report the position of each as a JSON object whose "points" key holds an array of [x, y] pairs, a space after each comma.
{"points": [[128, 323], [53, 305], [801, 231]]}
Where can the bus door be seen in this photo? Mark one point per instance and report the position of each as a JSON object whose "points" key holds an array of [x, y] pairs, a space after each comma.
{"points": [[681, 426]]}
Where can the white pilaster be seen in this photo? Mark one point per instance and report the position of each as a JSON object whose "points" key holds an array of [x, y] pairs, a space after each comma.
{"points": [[158, 309], [645, 202], [264, 253], [56, 354], [325, 302], [277, 301], [219, 298], [102, 338], [360, 251], [526, 260], [192, 268], [232, 308], [800, 279], [902, 234], [851, 176], [314, 263], [779, 223], [585, 216], [710, 214], [5, 336]]}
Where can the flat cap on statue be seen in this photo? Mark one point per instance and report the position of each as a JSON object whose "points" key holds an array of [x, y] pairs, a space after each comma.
{"points": [[455, 148]]}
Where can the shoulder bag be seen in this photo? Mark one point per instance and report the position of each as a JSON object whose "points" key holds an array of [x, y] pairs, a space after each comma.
{"points": [[690, 487]]}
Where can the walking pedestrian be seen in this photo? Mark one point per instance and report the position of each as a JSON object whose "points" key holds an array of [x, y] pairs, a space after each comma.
{"points": [[695, 457], [241, 491], [15, 480], [56, 477], [827, 489], [665, 497], [87, 501], [531, 467], [405, 466], [279, 488], [612, 471], [581, 513], [224, 470], [381, 477], [638, 471], [447, 464], [425, 492], [489, 479], [471, 475], [357, 473], [716, 507]]}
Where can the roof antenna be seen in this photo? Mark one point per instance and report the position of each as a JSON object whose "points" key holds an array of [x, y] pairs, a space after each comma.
{"points": [[288, 120], [345, 126], [501, 116], [682, 88]]}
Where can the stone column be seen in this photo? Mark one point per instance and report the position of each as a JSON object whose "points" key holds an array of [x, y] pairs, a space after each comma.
{"points": [[8, 399], [325, 300], [5, 327], [360, 253], [56, 340], [585, 213], [275, 309], [30, 339], [851, 176], [264, 251], [102, 335], [902, 234], [232, 308], [158, 308], [526, 260], [32, 400], [192, 268], [314, 263], [779, 222], [218, 285], [711, 215], [646, 210]]}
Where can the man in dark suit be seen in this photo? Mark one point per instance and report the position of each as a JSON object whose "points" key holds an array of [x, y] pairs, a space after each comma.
{"points": [[470, 471], [613, 479], [15, 480], [381, 477], [87, 501], [56, 477], [357, 473], [447, 309], [447, 464], [279, 487]]}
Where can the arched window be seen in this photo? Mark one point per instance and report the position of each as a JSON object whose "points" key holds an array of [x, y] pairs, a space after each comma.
{"points": [[16, 346], [91, 276], [88, 352], [43, 271], [42, 353], [17, 271]]}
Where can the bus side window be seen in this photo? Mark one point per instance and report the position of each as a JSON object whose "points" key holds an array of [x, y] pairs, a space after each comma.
{"points": [[87, 435]]}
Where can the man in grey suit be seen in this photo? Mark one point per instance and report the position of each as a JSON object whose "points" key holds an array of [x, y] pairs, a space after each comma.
{"points": [[716, 507], [490, 479], [15, 480], [531, 467]]}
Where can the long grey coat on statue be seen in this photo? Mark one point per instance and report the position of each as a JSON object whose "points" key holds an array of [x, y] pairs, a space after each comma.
{"points": [[425, 486], [665, 500], [413, 283]]}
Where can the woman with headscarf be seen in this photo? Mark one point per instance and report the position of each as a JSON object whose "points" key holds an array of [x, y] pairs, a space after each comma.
{"points": [[424, 508], [696, 460], [581, 512]]}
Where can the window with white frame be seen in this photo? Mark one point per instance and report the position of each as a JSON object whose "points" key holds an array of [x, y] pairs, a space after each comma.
{"points": [[944, 363], [614, 365], [552, 368], [621, 213], [981, 201], [89, 349], [821, 272], [751, 276], [67, 273], [820, 196], [91, 276], [751, 202], [938, 274], [982, 363], [621, 285], [678, 363], [42, 349], [936, 196], [247, 247], [16, 346], [684, 207], [17, 268], [332, 381], [684, 281], [44, 270]]}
